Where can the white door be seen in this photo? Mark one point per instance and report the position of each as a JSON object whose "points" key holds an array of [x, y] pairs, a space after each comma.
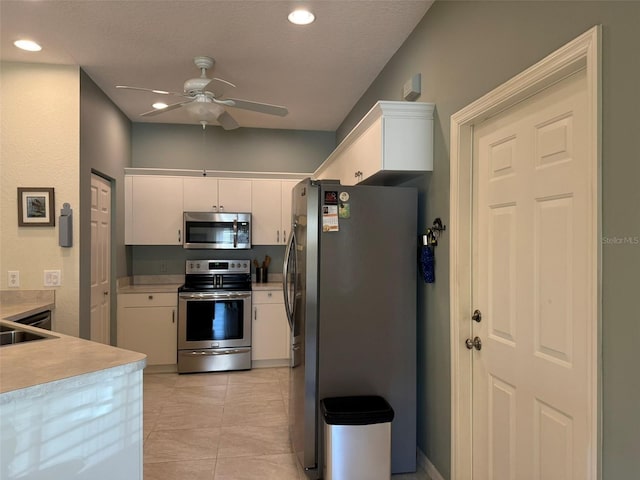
{"points": [[532, 216], [100, 258]]}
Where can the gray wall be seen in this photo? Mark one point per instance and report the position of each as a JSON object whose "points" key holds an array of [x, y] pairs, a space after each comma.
{"points": [[105, 148], [464, 50], [244, 149]]}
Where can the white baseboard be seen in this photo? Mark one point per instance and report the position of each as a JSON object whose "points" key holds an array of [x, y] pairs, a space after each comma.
{"points": [[428, 467]]}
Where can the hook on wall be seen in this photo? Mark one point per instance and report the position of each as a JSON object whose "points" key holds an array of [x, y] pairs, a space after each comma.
{"points": [[433, 233]]}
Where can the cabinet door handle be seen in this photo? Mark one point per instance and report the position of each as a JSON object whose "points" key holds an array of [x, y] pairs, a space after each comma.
{"points": [[173, 316], [222, 208], [278, 236], [284, 236], [255, 313], [150, 297], [179, 236]]}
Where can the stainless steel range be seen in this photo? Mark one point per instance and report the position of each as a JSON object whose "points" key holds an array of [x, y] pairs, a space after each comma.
{"points": [[214, 316]]}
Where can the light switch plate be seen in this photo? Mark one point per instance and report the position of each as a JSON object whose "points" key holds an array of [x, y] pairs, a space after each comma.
{"points": [[14, 279], [52, 278]]}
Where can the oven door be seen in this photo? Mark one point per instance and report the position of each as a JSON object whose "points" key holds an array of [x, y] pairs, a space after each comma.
{"points": [[214, 320]]}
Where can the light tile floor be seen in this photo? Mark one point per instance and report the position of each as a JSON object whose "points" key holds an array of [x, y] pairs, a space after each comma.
{"points": [[220, 426]]}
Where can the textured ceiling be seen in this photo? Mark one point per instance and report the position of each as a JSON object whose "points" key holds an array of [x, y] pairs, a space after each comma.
{"points": [[318, 71]]}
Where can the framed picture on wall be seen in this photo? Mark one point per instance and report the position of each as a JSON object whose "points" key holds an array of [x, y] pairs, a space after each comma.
{"points": [[36, 207]]}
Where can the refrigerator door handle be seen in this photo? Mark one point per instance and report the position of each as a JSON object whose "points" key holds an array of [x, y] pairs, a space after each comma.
{"points": [[285, 277]]}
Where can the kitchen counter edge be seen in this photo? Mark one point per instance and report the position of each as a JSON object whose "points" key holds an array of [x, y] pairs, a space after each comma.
{"points": [[43, 366]]}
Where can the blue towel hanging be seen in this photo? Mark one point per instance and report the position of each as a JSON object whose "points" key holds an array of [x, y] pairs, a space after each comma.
{"points": [[427, 262]]}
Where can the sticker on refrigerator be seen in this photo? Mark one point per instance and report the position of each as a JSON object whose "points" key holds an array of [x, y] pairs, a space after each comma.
{"points": [[344, 210], [331, 198], [330, 218]]}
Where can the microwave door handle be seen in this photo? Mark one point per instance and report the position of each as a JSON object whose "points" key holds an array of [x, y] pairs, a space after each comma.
{"points": [[235, 233]]}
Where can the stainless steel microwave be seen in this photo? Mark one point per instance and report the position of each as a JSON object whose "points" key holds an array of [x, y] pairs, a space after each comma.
{"points": [[209, 230]]}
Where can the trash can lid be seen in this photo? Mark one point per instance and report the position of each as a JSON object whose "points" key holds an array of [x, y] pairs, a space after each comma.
{"points": [[358, 410]]}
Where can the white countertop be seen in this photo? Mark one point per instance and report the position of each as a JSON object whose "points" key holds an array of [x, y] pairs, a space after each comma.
{"points": [[267, 286], [150, 288], [173, 288], [37, 367], [19, 311]]}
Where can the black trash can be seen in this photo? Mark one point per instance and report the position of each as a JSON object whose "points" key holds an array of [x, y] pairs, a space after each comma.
{"points": [[357, 438]]}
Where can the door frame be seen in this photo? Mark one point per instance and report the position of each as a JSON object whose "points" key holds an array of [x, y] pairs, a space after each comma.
{"points": [[582, 53]]}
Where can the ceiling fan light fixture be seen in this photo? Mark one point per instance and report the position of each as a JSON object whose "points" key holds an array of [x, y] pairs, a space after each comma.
{"points": [[28, 45], [204, 110], [301, 16]]}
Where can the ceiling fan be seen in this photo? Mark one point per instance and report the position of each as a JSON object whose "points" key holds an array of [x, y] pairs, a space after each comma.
{"points": [[205, 99]]}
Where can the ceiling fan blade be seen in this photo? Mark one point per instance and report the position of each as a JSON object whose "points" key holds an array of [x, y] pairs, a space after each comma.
{"points": [[223, 82], [227, 122], [260, 107], [228, 103], [158, 111], [216, 87], [160, 92]]}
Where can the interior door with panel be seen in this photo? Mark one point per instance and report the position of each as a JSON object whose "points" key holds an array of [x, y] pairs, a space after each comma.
{"points": [[530, 342], [100, 259]]}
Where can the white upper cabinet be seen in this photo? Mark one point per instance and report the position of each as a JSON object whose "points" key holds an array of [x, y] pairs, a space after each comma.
{"points": [[154, 205], [287, 187], [394, 140], [153, 210], [271, 211], [266, 212], [209, 194]]}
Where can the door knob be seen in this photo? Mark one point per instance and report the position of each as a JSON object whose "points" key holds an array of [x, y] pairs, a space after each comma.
{"points": [[475, 343], [477, 316]]}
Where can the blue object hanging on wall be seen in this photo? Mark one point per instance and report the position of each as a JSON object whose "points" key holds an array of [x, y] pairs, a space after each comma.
{"points": [[427, 253], [427, 263]]}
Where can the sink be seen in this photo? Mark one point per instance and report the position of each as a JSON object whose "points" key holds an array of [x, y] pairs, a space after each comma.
{"points": [[11, 335]]}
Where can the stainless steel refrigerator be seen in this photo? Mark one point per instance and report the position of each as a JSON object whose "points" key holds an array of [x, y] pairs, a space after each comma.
{"points": [[350, 295]]}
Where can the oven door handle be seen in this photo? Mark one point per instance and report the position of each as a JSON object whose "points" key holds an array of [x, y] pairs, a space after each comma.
{"points": [[211, 353], [213, 296]]}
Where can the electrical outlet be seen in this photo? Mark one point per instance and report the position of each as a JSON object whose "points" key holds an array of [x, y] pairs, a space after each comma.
{"points": [[14, 278], [52, 278]]}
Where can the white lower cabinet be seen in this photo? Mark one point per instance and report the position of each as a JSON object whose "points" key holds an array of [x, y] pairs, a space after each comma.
{"points": [[270, 334], [148, 323]]}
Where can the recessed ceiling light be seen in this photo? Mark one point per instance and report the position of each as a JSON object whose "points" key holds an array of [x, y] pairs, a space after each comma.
{"points": [[301, 17], [28, 45], [159, 105]]}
